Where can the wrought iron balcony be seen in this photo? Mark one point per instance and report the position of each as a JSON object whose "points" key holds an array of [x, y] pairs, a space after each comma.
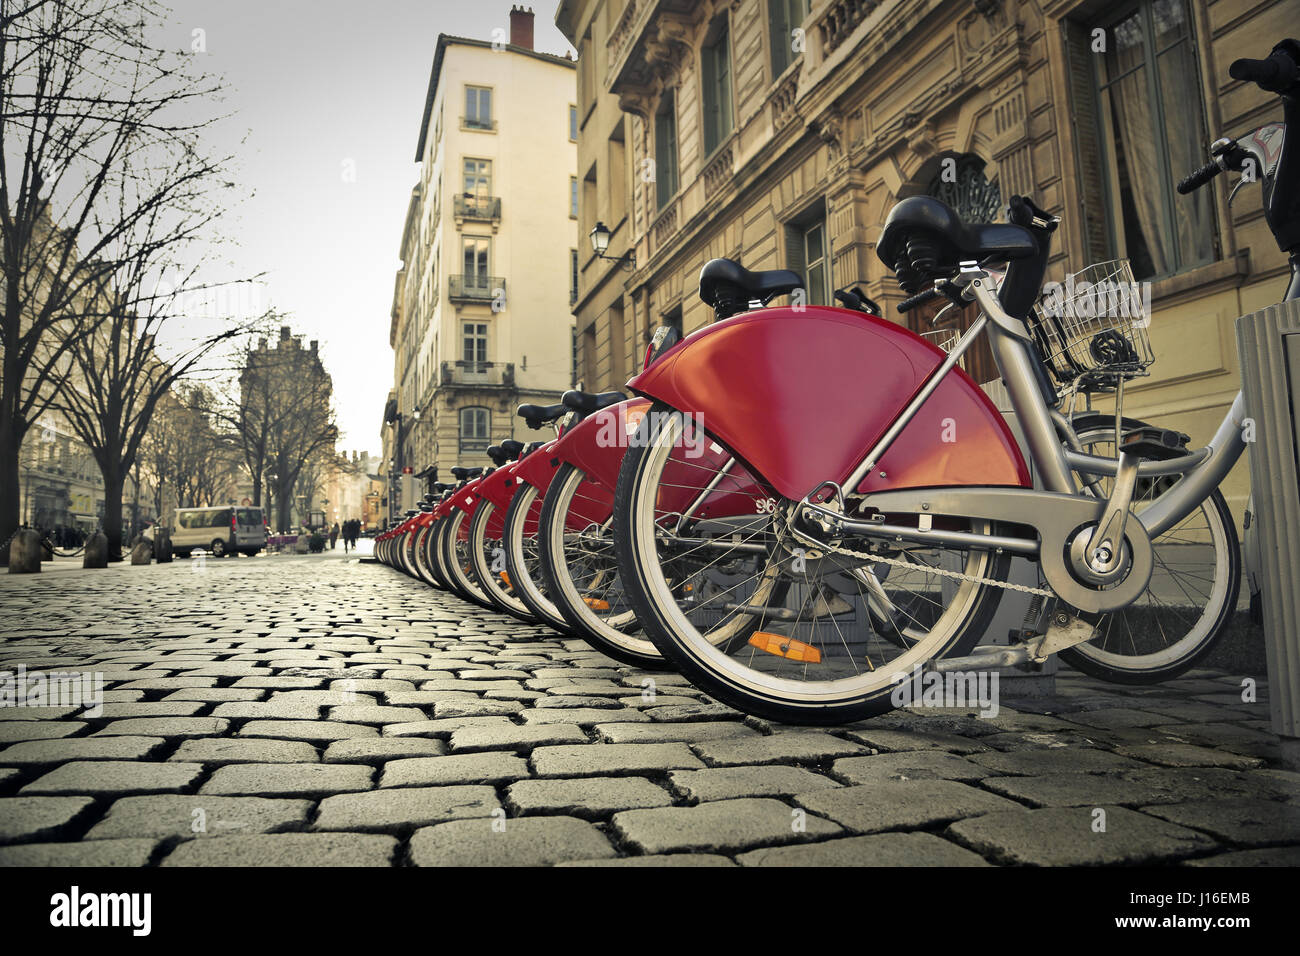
{"points": [[477, 288], [479, 374], [485, 208]]}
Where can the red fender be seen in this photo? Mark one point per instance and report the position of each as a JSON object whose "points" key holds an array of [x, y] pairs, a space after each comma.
{"points": [[539, 467], [802, 396], [467, 499], [500, 486], [598, 443]]}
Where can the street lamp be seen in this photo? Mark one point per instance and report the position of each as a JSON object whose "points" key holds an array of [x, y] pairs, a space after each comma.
{"points": [[600, 235]]}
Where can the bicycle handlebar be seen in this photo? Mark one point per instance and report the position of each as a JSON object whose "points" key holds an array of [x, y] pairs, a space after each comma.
{"points": [[1199, 178]]}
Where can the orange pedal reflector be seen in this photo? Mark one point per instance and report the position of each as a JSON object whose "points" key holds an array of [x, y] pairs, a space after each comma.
{"points": [[505, 577], [783, 646], [596, 604]]}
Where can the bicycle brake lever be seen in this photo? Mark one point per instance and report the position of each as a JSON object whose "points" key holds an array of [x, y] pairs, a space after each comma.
{"points": [[934, 322]]}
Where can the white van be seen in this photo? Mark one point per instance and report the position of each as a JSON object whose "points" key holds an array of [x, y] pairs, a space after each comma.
{"points": [[219, 531]]}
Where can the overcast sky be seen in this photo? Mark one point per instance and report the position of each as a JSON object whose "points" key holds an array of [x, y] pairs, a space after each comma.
{"points": [[320, 87]]}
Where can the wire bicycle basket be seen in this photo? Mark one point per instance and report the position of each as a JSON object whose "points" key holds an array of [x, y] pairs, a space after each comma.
{"points": [[945, 338], [1092, 328]]}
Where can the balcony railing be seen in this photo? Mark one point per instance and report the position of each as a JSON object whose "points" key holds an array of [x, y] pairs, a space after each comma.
{"points": [[477, 207], [477, 288], [492, 374]]}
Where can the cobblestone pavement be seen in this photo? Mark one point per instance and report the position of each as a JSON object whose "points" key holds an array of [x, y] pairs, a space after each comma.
{"points": [[315, 710]]}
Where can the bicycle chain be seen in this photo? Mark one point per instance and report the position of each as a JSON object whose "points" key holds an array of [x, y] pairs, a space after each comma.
{"points": [[956, 575]]}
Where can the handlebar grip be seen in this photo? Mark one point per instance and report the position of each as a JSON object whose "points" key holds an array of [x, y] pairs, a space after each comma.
{"points": [[921, 298], [1199, 178]]}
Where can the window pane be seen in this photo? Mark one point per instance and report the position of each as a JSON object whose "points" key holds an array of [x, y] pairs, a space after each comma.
{"points": [[1152, 110], [813, 245], [817, 284], [724, 85], [573, 122], [1185, 138], [665, 153]]}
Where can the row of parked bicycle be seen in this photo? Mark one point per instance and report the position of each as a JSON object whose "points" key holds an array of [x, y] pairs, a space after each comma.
{"points": [[806, 504]]}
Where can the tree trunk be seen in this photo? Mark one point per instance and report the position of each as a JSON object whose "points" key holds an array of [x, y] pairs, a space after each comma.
{"points": [[282, 499], [10, 494], [113, 484]]}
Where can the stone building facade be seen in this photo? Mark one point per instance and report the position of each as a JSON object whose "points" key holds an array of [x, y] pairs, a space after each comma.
{"points": [[481, 315], [781, 132]]}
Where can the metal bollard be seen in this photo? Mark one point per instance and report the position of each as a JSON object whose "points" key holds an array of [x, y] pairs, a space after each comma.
{"points": [[162, 545], [1268, 343]]}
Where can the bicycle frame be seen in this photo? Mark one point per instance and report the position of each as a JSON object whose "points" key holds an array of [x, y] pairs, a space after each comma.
{"points": [[1012, 349]]}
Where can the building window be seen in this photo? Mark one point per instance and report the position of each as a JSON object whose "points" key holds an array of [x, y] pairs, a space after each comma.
{"points": [[784, 17], [475, 261], [573, 123], [666, 151], [573, 276], [573, 359], [475, 428], [588, 382], [573, 197], [817, 263], [474, 347], [478, 107], [478, 178], [717, 91], [1152, 119]]}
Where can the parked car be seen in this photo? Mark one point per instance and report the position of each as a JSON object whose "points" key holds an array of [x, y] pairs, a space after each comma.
{"points": [[220, 531]]}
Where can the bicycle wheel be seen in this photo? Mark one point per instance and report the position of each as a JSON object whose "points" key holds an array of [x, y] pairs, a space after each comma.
{"points": [[488, 561], [420, 556], [1193, 589], [764, 621], [456, 558], [404, 553], [581, 571], [523, 563]]}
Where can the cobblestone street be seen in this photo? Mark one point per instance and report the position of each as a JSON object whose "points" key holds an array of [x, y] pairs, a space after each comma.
{"points": [[317, 710]]}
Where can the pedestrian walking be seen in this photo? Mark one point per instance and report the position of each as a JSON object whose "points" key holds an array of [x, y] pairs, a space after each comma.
{"points": [[334, 535]]}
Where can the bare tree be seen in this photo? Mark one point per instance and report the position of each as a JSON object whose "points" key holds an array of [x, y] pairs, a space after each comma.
{"points": [[284, 415], [86, 104], [186, 454]]}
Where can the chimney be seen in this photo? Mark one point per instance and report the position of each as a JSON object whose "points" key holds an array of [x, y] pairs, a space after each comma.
{"points": [[284, 332], [314, 342], [521, 27]]}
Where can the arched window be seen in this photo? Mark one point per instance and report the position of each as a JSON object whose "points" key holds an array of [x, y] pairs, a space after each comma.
{"points": [[475, 428]]}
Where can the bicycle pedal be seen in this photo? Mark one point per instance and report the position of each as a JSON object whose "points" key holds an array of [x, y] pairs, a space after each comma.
{"points": [[1064, 632]]}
